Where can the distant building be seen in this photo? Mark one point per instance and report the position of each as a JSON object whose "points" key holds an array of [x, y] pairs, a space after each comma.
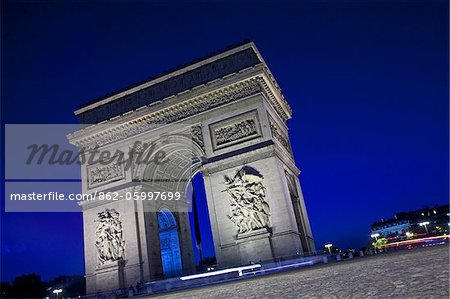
{"points": [[433, 220], [391, 227]]}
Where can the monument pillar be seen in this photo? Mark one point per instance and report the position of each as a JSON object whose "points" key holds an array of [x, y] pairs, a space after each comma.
{"points": [[254, 198]]}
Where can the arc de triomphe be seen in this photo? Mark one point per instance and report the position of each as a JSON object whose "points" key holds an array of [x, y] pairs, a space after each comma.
{"points": [[223, 116]]}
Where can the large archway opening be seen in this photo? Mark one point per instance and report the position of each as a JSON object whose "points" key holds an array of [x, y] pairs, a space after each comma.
{"points": [[169, 244], [202, 238], [185, 236]]}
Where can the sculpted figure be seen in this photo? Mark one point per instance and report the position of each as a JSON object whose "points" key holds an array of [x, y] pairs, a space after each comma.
{"points": [[249, 210], [110, 244]]}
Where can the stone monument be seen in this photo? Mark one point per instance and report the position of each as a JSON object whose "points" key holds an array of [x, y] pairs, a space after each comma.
{"points": [[223, 116]]}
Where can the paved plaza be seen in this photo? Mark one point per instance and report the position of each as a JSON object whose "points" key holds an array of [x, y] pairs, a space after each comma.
{"points": [[418, 273]]}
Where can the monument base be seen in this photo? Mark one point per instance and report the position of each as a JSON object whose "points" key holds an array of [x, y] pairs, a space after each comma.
{"points": [[108, 276], [255, 246]]}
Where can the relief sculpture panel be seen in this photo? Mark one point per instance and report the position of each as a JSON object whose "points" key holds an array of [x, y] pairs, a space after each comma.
{"points": [[280, 137], [235, 130], [249, 209], [110, 244], [103, 174]]}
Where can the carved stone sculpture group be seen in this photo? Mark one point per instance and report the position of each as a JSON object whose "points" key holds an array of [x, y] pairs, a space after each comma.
{"points": [[105, 173], [235, 131], [249, 210], [110, 244]]}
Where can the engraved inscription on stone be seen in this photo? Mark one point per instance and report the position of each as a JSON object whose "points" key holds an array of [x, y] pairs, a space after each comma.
{"points": [[110, 244], [105, 174]]}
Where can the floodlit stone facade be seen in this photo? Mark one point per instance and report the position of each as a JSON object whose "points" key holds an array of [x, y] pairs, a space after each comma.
{"points": [[223, 116]]}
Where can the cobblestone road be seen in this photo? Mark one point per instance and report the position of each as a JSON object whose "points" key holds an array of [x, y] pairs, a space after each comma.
{"points": [[419, 273]]}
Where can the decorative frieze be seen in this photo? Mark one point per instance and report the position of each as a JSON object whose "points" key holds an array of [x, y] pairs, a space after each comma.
{"points": [[99, 175], [280, 137], [197, 135], [235, 130], [140, 147], [172, 114], [275, 103], [110, 243]]}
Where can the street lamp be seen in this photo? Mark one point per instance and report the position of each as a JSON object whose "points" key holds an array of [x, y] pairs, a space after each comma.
{"points": [[328, 246], [376, 235], [425, 224], [57, 291]]}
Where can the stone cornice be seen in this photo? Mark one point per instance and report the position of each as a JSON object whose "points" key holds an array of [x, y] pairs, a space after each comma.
{"points": [[173, 83], [238, 160], [196, 92], [275, 91], [169, 115], [107, 134], [249, 157], [162, 78]]}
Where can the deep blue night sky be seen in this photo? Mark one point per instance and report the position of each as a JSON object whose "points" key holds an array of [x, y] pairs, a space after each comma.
{"points": [[368, 85]]}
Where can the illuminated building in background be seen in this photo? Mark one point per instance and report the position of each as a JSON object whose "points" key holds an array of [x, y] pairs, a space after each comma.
{"points": [[407, 223]]}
